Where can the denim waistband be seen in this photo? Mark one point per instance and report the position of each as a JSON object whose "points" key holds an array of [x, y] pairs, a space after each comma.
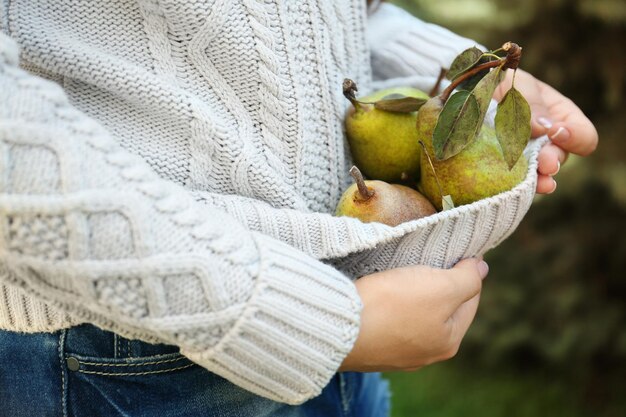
{"points": [[88, 372], [89, 340]]}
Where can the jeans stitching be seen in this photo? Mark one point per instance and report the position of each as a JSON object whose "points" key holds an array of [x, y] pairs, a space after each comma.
{"points": [[132, 364], [135, 373], [345, 402], [63, 383]]}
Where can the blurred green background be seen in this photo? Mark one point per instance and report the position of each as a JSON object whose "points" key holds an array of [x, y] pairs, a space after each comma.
{"points": [[550, 335]]}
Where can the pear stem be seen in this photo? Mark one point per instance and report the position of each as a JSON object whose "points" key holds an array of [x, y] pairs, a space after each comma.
{"points": [[511, 60], [454, 84], [442, 74], [366, 194], [432, 167], [349, 88]]}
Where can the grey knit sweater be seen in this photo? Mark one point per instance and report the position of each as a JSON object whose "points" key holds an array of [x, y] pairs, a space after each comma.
{"points": [[167, 170]]}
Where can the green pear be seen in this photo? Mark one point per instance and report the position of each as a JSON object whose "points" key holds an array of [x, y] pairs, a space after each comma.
{"points": [[384, 143], [378, 201], [477, 172]]}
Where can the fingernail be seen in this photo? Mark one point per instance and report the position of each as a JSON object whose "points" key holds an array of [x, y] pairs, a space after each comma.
{"points": [[561, 135], [558, 168], [553, 188], [545, 122], [483, 269]]}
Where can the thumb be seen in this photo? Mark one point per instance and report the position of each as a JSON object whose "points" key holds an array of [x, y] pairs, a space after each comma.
{"points": [[467, 278]]}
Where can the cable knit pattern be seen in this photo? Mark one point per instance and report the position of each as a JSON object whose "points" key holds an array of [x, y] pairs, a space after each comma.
{"points": [[256, 296], [174, 179]]}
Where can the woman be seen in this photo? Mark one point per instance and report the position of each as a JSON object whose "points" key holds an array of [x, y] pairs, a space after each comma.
{"points": [[165, 247]]}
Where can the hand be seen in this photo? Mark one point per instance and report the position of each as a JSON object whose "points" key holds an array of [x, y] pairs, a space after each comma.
{"points": [[414, 316], [558, 117]]}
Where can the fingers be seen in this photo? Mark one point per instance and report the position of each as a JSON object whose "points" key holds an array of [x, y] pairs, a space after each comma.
{"points": [[467, 277], [545, 184], [554, 114], [571, 130], [551, 157], [577, 135]]}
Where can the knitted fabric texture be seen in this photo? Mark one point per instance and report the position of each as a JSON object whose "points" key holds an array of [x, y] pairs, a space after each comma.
{"points": [[172, 179]]}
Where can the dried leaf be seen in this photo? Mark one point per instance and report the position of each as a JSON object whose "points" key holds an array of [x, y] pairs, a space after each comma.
{"points": [[447, 203], [513, 126], [457, 125], [464, 61], [483, 92], [471, 82], [399, 103]]}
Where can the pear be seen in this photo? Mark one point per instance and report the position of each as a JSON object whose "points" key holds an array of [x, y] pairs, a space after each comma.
{"points": [[378, 201], [384, 143], [477, 172]]}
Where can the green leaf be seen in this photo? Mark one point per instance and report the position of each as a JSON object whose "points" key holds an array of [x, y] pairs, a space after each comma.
{"points": [[462, 116], [513, 125], [457, 125], [447, 203], [483, 92], [399, 103], [464, 61]]}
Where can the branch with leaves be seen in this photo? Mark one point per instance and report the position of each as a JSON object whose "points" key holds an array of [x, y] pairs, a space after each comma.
{"points": [[477, 74], [474, 75]]}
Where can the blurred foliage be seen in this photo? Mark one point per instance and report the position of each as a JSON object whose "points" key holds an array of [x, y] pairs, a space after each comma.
{"points": [[574, 45], [555, 302], [558, 293], [455, 388]]}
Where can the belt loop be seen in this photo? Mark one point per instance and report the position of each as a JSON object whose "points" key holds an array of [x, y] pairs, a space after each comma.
{"points": [[116, 346], [121, 347]]}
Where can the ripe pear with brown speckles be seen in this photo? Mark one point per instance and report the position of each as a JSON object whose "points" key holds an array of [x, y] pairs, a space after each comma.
{"points": [[478, 171], [384, 143], [378, 201]]}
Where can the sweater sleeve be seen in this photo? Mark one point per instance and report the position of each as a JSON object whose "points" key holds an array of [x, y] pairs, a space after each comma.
{"points": [[93, 230], [402, 45]]}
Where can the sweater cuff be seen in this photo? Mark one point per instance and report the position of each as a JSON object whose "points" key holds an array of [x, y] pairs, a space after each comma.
{"points": [[299, 324], [402, 45]]}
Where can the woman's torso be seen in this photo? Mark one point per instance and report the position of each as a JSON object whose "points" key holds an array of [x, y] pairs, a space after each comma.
{"points": [[232, 97]]}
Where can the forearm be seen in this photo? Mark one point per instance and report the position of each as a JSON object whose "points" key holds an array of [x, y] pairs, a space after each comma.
{"points": [[95, 231]]}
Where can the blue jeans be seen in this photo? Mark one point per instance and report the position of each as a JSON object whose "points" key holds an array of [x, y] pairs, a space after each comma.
{"points": [[85, 371]]}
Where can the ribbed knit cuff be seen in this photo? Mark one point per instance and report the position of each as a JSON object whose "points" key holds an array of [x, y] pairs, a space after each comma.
{"points": [[21, 312], [300, 323], [402, 45]]}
